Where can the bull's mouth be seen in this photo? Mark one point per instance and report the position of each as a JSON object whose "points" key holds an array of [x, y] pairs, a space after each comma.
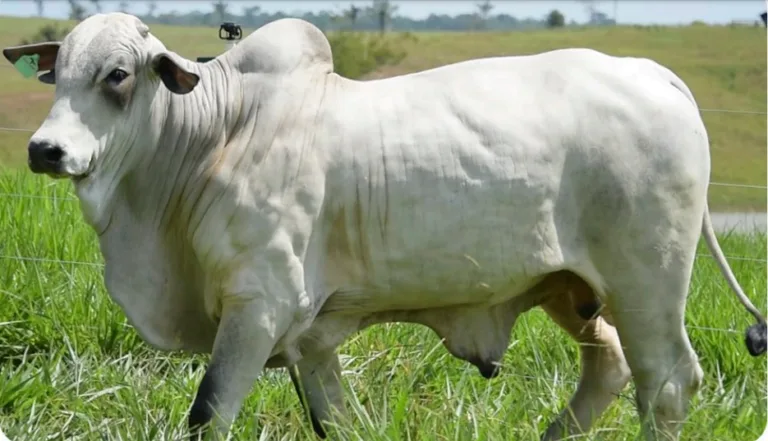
{"points": [[54, 168], [54, 173], [79, 178]]}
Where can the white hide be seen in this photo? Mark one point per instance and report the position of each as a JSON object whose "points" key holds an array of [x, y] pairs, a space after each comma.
{"points": [[460, 187]]}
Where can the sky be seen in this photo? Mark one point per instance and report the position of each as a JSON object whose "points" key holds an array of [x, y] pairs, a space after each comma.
{"points": [[626, 11]]}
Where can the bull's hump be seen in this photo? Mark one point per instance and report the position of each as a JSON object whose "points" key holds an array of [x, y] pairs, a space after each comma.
{"points": [[284, 45]]}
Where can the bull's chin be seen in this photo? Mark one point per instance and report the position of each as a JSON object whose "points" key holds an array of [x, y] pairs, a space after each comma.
{"points": [[52, 175], [58, 176]]}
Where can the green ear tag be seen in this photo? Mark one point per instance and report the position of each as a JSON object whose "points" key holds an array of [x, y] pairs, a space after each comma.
{"points": [[27, 65]]}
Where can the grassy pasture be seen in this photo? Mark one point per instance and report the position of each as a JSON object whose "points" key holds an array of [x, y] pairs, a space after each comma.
{"points": [[72, 368], [725, 67]]}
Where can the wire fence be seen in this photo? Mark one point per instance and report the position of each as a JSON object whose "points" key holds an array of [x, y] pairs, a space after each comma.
{"points": [[98, 264], [41, 260]]}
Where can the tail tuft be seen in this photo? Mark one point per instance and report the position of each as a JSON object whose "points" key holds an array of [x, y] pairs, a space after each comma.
{"points": [[756, 339], [756, 336]]}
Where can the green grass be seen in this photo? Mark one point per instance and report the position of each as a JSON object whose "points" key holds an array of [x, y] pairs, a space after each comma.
{"points": [[71, 368], [725, 67]]}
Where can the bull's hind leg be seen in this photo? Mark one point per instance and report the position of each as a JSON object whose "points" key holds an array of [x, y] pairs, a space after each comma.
{"points": [[604, 371], [664, 365], [648, 306]]}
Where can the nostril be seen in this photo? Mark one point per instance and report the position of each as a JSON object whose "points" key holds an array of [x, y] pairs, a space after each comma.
{"points": [[45, 152], [53, 154]]}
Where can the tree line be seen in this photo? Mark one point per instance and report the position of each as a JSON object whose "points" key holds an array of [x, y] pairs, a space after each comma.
{"points": [[356, 51], [379, 15]]}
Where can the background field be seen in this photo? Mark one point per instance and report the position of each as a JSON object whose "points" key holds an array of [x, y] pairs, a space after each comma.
{"points": [[71, 367], [724, 66]]}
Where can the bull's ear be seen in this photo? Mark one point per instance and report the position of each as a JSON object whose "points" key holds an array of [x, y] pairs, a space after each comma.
{"points": [[48, 77], [176, 78], [46, 53]]}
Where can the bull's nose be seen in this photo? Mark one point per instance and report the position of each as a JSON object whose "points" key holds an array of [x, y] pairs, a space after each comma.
{"points": [[44, 157]]}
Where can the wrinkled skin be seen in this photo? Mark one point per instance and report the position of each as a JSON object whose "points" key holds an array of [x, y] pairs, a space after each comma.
{"points": [[261, 208]]}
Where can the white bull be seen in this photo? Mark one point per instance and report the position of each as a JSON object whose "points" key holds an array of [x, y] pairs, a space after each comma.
{"points": [[263, 208]]}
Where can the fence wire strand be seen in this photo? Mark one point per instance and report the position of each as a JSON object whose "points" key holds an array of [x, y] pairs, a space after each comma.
{"points": [[732, 111], [45, 260], [32, 196], [728, 184], [70, 197], [741, 112], [744, 259], [12, 129], [80, 262], [101, 265]]}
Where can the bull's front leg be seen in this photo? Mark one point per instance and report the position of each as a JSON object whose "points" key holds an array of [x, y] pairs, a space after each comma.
{"points": [[254, 317], [317, 380]]}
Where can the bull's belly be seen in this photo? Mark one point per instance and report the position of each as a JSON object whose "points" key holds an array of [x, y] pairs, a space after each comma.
{"points": [[446, 247]]}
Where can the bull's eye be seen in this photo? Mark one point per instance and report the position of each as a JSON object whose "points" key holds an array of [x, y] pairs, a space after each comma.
{"points": [[117, 76]]}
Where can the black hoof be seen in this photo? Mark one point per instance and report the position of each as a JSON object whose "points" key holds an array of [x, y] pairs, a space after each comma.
{"points": [[201, 413], [316, 426], [488, 369]]}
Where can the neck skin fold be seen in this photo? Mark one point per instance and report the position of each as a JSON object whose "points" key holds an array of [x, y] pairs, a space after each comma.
{"points": [[160, 168]]}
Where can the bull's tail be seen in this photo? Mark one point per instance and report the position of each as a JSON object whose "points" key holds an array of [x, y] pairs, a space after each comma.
{"points": [[756, 336]]}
